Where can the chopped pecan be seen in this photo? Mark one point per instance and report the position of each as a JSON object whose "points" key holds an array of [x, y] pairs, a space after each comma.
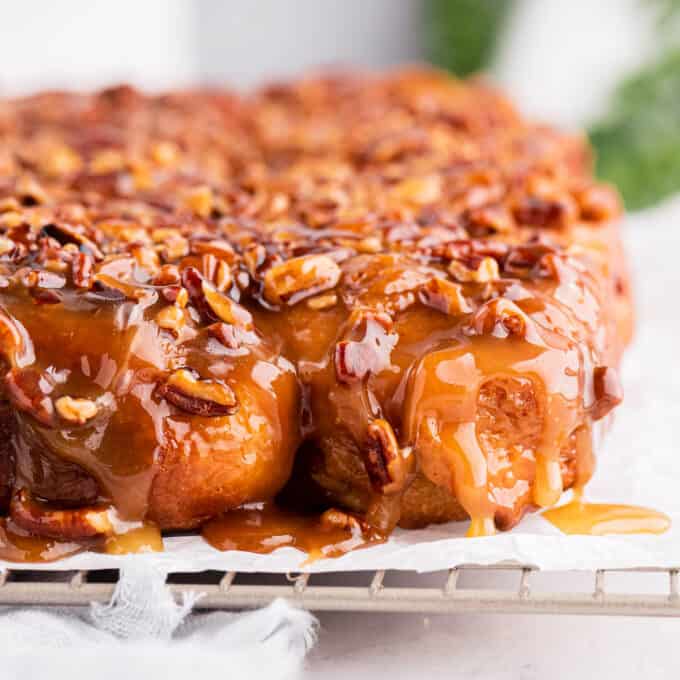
{"points": [[444, 296], [529, 260], [67, 525], [395, 147], [171, 318], [220, 249], [81, 267], [370, 244], [419, 190], [65, 233], [6, 245], [167, 275], [231, 336], [165, 153], [174, 248], [474, 269], [128, 290], [387, 469], [300, 278], [488, 219], [28, 391], [45, 296], [192, 281], [207, 398], [13, 346], [608, 391], [255, 257], [357, 359], [146, 258], [30, 192], [598, 203], [76, 410], [225, 309], [501, 318], [339, 519], [199, 200], [322, 301], [547, 212]]}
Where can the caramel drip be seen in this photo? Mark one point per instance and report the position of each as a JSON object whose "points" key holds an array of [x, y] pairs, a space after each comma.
{"points": [[601, 519], [142, 539], [265, 528], [443, 400], [18, 546]]}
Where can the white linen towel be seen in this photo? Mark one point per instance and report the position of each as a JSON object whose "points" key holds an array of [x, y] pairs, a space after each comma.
{"points": [[144, 633]]}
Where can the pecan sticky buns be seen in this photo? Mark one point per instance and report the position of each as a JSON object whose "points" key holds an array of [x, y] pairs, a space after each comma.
{"points": [[396, 281]]}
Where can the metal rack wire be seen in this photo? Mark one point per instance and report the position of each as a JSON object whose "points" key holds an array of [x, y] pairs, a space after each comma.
{"points": [[224, 590]]}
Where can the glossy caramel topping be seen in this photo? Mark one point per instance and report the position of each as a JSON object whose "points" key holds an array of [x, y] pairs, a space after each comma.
{"points": [[399, 271]]}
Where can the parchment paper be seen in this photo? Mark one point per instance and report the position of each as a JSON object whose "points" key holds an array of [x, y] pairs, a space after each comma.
{"points": [[639, 464]]}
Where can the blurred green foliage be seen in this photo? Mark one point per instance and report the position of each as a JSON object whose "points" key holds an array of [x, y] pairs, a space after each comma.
{"points": [[638, 143], [460, 35]]}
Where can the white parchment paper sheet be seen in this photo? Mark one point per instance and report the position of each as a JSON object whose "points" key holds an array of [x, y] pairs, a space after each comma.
{"points": [[640, 463]]}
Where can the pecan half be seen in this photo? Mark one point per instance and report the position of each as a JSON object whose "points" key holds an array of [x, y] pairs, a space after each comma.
{"points": [[444, 296], [300, 278], [608, 391], [66, 525], [388, 470], [207, 398]]}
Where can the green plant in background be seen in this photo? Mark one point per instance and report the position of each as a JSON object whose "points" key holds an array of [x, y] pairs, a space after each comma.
{"points": [[461, 35], [637, 142]]}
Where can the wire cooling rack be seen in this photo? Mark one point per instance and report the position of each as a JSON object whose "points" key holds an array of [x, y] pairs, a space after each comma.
{"points": [[340, 592]]}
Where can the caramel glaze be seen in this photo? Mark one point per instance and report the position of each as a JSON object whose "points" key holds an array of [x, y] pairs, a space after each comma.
{"points": [[262, 528], [398, 272], [599, 519]]}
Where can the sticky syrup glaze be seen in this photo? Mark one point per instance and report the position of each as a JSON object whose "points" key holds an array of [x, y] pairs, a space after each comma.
{"points": [[262, 528], [600, 519], [400, 273]]}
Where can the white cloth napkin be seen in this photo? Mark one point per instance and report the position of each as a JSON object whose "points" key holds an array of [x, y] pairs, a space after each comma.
{"points": [[143, 633]]}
